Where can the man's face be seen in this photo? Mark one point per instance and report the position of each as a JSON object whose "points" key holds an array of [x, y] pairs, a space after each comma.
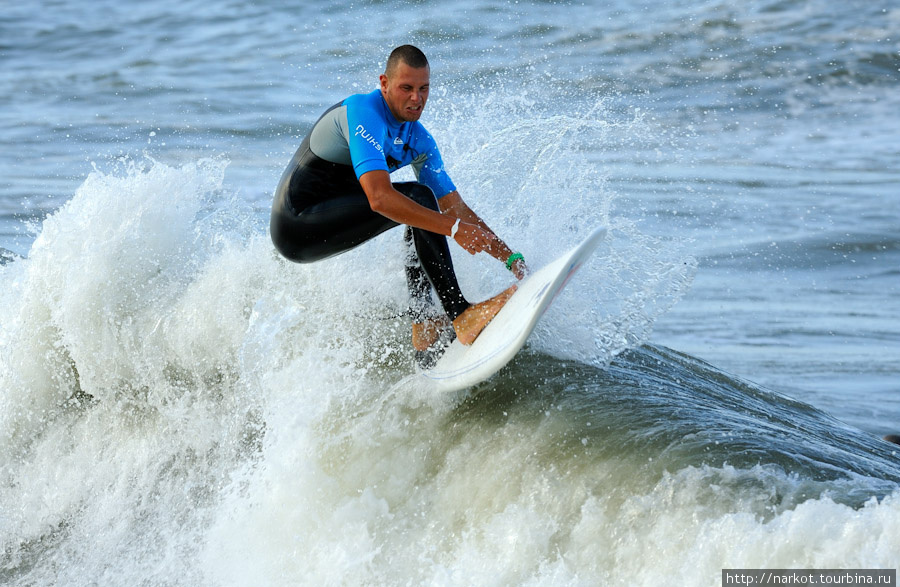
{"points": [[406, 91]]}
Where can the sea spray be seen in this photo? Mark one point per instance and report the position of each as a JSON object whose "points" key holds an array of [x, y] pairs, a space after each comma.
{"points": [[536, 181], [113, 393]]}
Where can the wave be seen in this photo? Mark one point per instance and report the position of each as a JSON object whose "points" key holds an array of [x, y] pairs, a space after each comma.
{"points": [[554, 472], [179, 405], [6, 256]]}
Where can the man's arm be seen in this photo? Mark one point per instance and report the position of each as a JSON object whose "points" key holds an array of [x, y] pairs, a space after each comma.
{"points": [[453, 205], [388, 202]]}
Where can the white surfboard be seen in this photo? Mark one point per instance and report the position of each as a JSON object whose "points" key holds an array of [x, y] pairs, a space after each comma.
{"points": [[462, 366]]}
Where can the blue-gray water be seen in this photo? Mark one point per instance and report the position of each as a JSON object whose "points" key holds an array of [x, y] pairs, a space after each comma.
{"points": [[178, 406]]}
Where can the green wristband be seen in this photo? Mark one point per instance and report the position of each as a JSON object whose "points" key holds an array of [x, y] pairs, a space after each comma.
{"points": [[513, 258]]}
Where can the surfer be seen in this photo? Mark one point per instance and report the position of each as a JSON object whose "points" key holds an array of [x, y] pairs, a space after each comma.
{"points": [[336, 193]]}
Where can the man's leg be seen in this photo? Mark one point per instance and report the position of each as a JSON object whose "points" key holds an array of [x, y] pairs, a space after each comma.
{"points": [[327, 228], [429, 322], [434, 257]]}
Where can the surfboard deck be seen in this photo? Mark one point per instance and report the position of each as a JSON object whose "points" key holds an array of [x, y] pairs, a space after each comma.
{"points": [[462, 366]]}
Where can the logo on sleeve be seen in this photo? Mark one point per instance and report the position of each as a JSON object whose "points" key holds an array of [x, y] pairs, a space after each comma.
{"points": [[367, 137]]}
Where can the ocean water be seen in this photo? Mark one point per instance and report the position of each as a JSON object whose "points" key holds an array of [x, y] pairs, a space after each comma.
{"points": [[180, 406]]}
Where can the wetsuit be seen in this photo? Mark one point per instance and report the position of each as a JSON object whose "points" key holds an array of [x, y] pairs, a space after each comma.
{"points": [[320, 209]]}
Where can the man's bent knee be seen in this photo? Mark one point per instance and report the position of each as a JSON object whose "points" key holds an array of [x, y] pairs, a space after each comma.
{"points": [[419, 193]]}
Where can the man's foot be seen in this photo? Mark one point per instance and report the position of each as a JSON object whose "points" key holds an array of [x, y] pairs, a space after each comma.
{"points": [[430, 339], [424, 334], [470, 323]]}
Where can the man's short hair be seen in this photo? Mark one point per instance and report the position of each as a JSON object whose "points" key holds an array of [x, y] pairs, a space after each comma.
{"points": [[407, 54]]}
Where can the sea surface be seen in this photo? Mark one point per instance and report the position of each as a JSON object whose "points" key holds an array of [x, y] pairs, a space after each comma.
{"points": [[179, 406]]}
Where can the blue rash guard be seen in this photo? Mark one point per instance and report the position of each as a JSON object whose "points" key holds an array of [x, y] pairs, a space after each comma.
{"points": [[362, 132], [321, 210]]}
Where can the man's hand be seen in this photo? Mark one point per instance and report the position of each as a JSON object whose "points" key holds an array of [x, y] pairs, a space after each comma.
{"points": [[519, 269], [473, 238], [453, 205]]}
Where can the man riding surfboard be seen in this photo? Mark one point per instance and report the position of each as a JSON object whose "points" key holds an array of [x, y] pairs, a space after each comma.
{"points": [[336, 193]]}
